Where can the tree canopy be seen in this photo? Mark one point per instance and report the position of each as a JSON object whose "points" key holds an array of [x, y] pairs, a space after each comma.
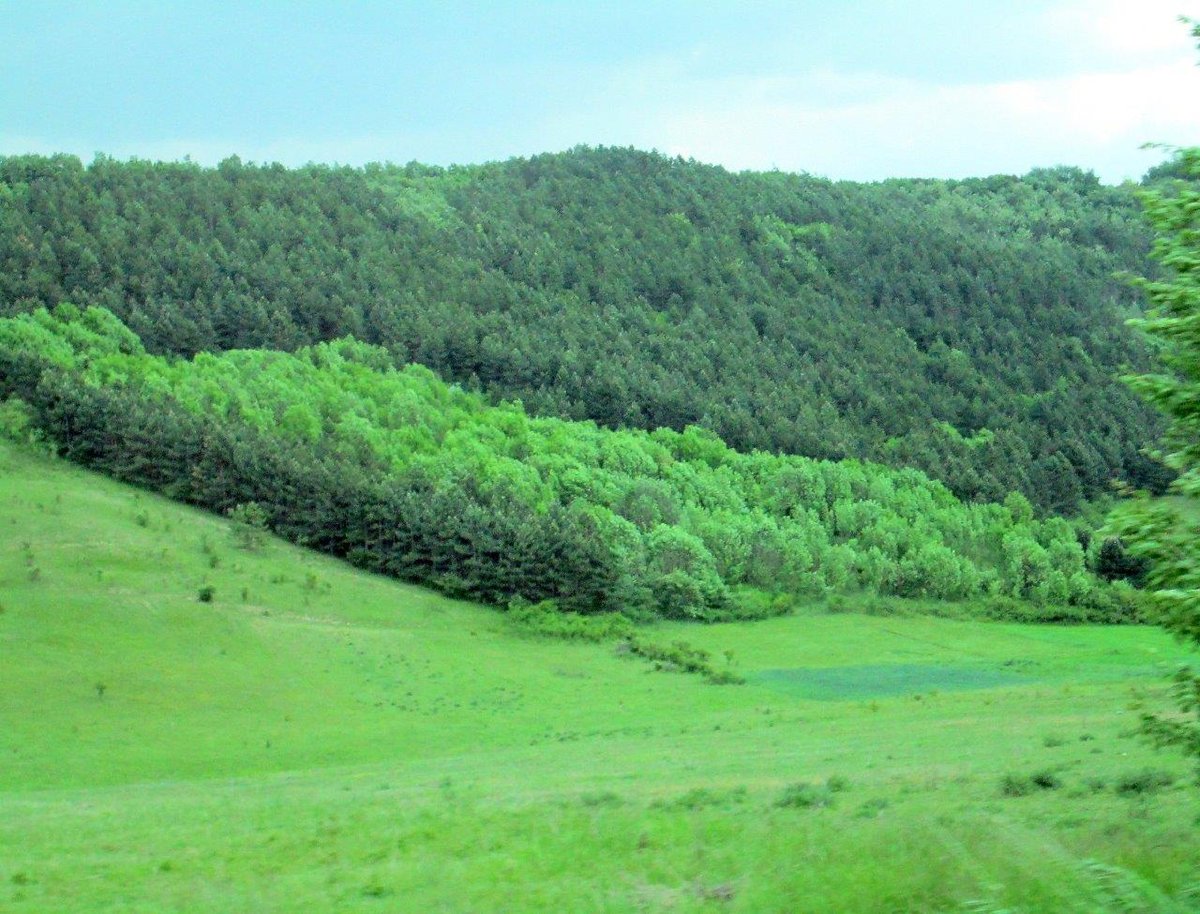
{"points": [[971, 329], [405, 475]]}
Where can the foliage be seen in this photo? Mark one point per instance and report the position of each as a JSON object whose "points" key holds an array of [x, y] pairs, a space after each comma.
{"points": [[406, 476], [970, 328], [1164, 532], [679, 656], [249, 525], [548, 621]]}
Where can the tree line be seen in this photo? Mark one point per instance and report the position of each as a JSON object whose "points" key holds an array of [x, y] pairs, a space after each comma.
{"points": [[405, 475]]}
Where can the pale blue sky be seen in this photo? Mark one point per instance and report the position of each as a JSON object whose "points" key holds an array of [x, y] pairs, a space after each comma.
{"points": [[859, 89]]}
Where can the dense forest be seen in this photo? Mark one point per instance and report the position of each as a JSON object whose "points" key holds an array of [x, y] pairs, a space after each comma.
{"points": [[970, 329], [333, 447]]}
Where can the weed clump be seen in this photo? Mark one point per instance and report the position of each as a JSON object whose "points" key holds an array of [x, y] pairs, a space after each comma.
{"points": [[1144, 782], [548, 621], [872, 808], [602, 798], [836, 783], [1022, 785], [206, 593], [704, 798], [805, 796]]}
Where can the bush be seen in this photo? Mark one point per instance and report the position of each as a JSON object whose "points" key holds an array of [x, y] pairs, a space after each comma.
{"points": [[547, 620], [206, 593], [681, 657], [249, 525]]}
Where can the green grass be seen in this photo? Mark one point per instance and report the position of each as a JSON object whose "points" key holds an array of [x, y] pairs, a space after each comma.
{"points": [[315, 739]]}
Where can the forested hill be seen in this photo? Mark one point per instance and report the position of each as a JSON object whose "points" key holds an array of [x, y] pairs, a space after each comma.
{"points": [[972, 329]]}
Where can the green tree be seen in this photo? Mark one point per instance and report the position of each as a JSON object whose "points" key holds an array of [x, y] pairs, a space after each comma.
{"points": [[1166, 532]]}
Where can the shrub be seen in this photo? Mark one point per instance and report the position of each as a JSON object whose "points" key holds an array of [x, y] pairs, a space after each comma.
{"points": [[206, 593], [547, 620], [249, 528], [682, 657]]}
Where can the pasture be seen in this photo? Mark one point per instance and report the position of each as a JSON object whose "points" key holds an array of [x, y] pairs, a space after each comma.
{"points": [[310, 738]]}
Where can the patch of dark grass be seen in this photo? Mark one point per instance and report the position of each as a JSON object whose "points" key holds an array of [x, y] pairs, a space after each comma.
{"points": [[870, 681], [546, 620], [803, 795], [704, 798], [836, 783], [722, 891], [872, 808], [1022, 785], [1144, 782], [601, 798]]}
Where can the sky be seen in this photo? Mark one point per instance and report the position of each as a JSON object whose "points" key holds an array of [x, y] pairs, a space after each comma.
{"points": [[853, 89]]}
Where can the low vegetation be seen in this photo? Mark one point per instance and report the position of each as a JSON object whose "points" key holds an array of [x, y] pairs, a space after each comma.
{"points": [[364, 745]]}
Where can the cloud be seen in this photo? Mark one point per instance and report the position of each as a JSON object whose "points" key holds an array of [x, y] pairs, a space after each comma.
{"points": [[1123, 28], [870, 125], [1096, 79], [1096, 120]]}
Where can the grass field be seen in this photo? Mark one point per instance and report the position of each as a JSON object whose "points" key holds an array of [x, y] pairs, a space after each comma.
{"points": [[315, 739]]}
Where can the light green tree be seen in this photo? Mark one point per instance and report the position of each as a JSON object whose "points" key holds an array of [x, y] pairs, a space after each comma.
{"points": [[1166, 532]]}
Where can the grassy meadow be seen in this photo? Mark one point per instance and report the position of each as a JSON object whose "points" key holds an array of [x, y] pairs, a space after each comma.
{"points": [[317, 739]]}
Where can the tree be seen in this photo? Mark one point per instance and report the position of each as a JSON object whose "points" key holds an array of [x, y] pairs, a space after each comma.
{"points": [[1166, 532]]}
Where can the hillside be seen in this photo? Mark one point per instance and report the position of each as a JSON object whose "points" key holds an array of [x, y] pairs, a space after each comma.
{"points": [[970, 329], [394, 470], [317, 738]]}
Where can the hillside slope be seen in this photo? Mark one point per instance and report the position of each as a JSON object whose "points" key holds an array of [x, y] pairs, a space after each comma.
{"points": [[317, 738], [972, 329], [402, 474]]}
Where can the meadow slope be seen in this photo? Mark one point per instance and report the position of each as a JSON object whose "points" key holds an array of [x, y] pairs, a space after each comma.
{"points": [[316, 738]]}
